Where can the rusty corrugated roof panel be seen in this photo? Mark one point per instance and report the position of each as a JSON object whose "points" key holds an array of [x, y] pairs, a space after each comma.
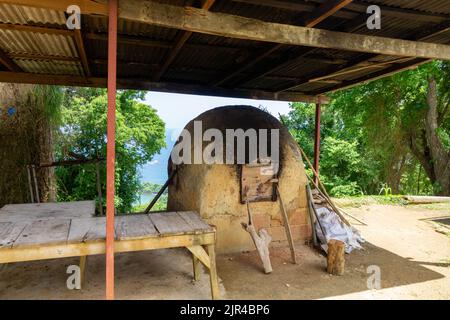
{"points": [[13, 41], [24, 15], [50, 67]]}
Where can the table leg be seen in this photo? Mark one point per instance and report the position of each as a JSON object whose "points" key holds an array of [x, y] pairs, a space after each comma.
{"points": [[213, 272], [196, 264], [83, 261]]}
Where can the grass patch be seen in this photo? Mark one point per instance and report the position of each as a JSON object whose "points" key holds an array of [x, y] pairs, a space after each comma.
{"points": [[356, 202]]}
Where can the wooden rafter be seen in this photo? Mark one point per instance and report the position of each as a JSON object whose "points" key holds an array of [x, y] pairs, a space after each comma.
{"points": [[308, 20], [361, 62], [139, 84], [181, 39], [82, 52], [411, 64], [324, 11], [28, 56], [147, 42], [283, 62]]}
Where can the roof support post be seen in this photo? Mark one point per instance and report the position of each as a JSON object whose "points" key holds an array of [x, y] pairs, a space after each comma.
{"points": [[111, 147], [317, 140]]}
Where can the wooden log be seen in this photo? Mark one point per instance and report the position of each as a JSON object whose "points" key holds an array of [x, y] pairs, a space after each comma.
{"points": [[335, 257], [426, 199], [261, 240]]}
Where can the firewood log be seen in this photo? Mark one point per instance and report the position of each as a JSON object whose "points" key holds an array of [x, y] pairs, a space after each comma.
{"points": [[336, 257]]}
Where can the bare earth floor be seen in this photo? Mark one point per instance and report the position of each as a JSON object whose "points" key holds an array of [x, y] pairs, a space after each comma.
{"points": [[413, 258]]}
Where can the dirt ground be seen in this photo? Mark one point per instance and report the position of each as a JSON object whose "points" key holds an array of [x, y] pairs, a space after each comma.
{"points": [[403, 242]]}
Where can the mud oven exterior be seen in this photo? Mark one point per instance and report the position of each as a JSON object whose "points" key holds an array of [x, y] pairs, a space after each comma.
{"points": [[216, 190]]}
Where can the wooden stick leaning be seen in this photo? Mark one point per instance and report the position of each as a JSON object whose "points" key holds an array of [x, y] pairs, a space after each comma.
{"points": [[314, 212], [311, 216], [161, 191], [343, 220], [323, 191], [287, 226], [261, 240]]}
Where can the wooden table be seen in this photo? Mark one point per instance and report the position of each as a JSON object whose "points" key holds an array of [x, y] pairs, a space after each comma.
{"points": [[48, 237]]}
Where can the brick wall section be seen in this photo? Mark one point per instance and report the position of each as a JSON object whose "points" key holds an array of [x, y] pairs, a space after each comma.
{"points": [[300, 225]]}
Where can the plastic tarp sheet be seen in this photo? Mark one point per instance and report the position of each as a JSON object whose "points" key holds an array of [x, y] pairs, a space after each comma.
{"points": [[334, 228]]}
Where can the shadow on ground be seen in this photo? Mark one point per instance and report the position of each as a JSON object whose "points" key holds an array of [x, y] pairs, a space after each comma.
{"points": [[167, 274], [243, 278]]}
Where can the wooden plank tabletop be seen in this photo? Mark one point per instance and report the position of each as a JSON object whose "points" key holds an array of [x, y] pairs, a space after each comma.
{"points": [[66, 230], [30, 211], [53, 231]]}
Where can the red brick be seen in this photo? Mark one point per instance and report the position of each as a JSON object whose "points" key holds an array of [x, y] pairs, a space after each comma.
{"points": [[299, 232], [275, 223]]}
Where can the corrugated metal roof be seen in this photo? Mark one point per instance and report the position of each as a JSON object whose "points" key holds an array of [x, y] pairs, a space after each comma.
{"points": [[432, 6], [13, 41], [50, 67], [25, 15], [199, 65]]}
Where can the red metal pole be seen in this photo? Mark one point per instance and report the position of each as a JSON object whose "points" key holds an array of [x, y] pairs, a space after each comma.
{"points": [[317, 140], [111, 147]]}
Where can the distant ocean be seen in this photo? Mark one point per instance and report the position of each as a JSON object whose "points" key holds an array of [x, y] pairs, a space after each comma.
{"points": [[156, 170]]}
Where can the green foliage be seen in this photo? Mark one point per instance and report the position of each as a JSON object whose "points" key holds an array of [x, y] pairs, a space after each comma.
{"points": [[160, 205], [150, 187], [367, 132], [139, 136], [386, 190]]}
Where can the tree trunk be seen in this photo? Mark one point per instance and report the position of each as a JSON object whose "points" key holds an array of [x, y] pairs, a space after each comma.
{"points": [[428, 148], [440, 158], [25, 138]]}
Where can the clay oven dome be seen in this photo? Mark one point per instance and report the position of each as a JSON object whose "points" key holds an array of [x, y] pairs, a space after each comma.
{"points": [[215, 190]]}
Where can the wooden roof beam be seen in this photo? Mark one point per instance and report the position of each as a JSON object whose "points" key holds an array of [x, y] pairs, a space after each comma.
{"points": [[284, 62], [82, 53], [29, 56], [308, 20], [226, 25], [409, 65], [181, 39], [140, 84], [361, 63]]}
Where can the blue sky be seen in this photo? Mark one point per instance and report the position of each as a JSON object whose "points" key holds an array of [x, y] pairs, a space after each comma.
{"points": [[178, 109]]}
